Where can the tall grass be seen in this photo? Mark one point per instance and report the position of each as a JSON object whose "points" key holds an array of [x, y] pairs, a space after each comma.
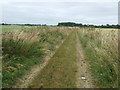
{"points": [[24, 48], [101, 49]]}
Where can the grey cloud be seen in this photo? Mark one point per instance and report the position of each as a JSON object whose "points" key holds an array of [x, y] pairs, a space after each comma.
{"points": [[54, 12]]}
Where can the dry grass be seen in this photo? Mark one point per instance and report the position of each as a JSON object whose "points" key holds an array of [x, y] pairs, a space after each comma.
{"points": [[101, 47], [25, 48]]}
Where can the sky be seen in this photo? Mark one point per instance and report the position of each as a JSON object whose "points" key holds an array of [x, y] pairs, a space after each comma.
{"points": [[50, 13]]}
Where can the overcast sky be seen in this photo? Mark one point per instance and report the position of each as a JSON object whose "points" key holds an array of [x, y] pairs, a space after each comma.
{"points": [[53, 12]]}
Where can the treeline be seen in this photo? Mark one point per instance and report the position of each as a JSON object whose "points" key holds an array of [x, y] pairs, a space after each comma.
{"points": [[108, 26], [25, 24], [72, 24], [69, 24]]}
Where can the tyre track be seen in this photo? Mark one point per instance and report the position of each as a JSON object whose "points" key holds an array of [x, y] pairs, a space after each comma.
{"points": [[84, 78], [26, 80]]}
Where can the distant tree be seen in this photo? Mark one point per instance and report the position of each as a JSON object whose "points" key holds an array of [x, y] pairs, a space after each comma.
{"points": [[69, 24], [3, 23], [85, 25], [44, 25]]}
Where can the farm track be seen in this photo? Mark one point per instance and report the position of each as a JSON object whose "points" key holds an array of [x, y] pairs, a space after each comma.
{"points": [[25, 81], [61, 68], [83, 75]]}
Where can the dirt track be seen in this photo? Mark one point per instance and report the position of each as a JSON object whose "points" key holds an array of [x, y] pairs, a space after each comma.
{"points": [[84, 78], [26, 80], [83, 74]]}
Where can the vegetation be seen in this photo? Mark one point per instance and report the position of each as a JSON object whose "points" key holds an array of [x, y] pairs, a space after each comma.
{"points": [[61, 69], [72, 24], [25, 48], [10, 28], [68, 24], [101, 49]]}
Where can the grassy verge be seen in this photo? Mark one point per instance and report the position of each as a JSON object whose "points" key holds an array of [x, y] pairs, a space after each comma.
{"points": [[103, 60], [61, 69], [23, 49]]}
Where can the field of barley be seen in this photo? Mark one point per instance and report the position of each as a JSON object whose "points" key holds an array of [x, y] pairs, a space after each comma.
{"points": [[50, 57]]}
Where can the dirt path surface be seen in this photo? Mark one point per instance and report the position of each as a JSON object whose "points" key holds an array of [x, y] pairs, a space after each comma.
{"points": [[83, 75], [61, 69], [25, 81], [84, 78]]}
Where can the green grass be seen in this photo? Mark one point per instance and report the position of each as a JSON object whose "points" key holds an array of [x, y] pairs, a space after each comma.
{"points": [[6, 28], [17, 67], [19, 54], [61, 69], [11, 28], [101, 67]]}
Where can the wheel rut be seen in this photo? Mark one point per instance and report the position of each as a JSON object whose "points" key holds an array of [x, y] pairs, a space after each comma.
{"points": [[83, 75], [26, 80]]}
